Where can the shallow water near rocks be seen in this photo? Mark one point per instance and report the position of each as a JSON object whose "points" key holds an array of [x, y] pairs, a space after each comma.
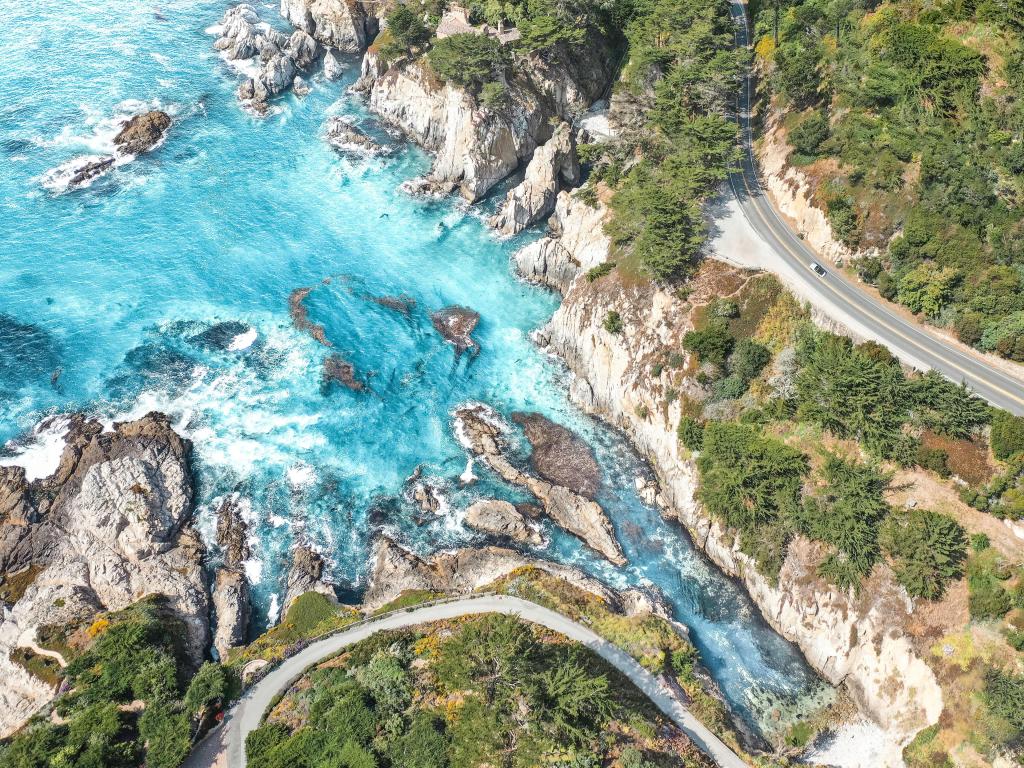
{"points": [[165, 285]]}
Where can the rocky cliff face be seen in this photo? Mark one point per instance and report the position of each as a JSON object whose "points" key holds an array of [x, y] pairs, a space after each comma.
{"points": [[110, 526], [865, 642], [348, 26], [230, 587], [476, 146], [791, 193]]}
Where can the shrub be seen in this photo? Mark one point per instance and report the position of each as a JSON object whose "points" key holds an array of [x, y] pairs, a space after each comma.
{"points": [[934, 459], [928, 550], [612, 322], [212, 686], [494, 95], [986, 599], [467, 59], [748, 359], [980, 542], [1007, 434], [810, 133], [602, 269], [1004, 697], [712, 344], [690, 433]]}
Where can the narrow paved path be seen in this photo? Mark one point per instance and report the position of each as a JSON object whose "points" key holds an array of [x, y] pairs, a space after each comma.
{"points": [[912, 342], [225, 746]]}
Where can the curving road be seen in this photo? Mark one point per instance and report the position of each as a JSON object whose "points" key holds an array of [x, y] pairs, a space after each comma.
{"points": [[908, 340], [224, 747]]}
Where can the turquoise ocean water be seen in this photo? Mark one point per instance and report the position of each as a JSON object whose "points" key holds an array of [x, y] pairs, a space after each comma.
{"points": [[165, 284]]}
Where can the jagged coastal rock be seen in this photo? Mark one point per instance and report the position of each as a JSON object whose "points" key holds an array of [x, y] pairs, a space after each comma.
{"points": [[394, 570], [337, 369], [553, 165], [456, 326], [480, 430], [559, 455], [574, 244], [108, 527], [476, 146], [501, 518], [343, 135], [279, 57], [346, 25], [230, 587], [306, 575], [142, 132], [864, 642]]}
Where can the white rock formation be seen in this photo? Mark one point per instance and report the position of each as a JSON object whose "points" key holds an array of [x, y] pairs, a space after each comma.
{"points": [[347, 25], [552, 165], [110, 526]]}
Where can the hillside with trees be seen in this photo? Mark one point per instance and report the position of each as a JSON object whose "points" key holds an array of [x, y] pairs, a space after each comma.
{"points": [[907, 119]]}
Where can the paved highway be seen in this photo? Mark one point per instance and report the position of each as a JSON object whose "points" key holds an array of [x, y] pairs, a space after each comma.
{"points": [[907, 339], [225, 746]]}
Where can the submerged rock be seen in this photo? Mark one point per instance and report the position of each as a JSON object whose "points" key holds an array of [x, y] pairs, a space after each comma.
{"points": [[300, 316], [89, 170], [339, 370], [559, 455], [456, 325], [501, 518], [142, 132], [480, 430], [403, 304]]}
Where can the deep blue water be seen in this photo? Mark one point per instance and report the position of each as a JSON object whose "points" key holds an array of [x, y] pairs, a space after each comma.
{"points": [[118, 286]]}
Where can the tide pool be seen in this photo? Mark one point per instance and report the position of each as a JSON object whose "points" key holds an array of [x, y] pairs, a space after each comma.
{"points": [[165, 286]]}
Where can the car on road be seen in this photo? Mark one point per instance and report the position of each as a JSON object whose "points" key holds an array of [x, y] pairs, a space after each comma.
{"points": [[818, 269]]}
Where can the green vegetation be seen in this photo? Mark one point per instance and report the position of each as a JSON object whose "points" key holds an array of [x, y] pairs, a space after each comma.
{"points": [[602, 269], [682, 72], [309, 616], [914, 111], [486, 690], [987, 597], [612, 322], [1007, 434], [467, 59], [133, 655], [928, 550], [406, 33]]}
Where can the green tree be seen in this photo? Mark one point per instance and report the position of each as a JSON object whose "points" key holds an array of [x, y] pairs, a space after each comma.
{"points": [[712, 344], [928, 551], [467, 59]]}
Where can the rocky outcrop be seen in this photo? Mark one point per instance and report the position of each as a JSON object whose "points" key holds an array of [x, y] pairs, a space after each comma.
{"points": [[306, 575], [394, 570], [865, 642], [456, 326], [559, 455], [108, 527], [143, 132], [480, 430], [346, 25], [475, 145], [300, 316], [231, 599], [574, 244], [334, 65], [279, 58], [338, 370], [553, 165], [345, 136], [501, 518]]}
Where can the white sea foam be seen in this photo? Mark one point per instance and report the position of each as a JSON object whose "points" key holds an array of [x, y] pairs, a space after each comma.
{"points": [[467, 475], [243, 341], [40, 456], [274, 611], [301, 475]]}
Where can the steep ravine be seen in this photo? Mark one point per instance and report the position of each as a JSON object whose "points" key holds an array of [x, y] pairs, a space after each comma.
{"points": [[861, 642]]}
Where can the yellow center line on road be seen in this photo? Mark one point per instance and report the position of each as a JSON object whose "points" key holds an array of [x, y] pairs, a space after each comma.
{"points": [[884, 314], [880, 319]]}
